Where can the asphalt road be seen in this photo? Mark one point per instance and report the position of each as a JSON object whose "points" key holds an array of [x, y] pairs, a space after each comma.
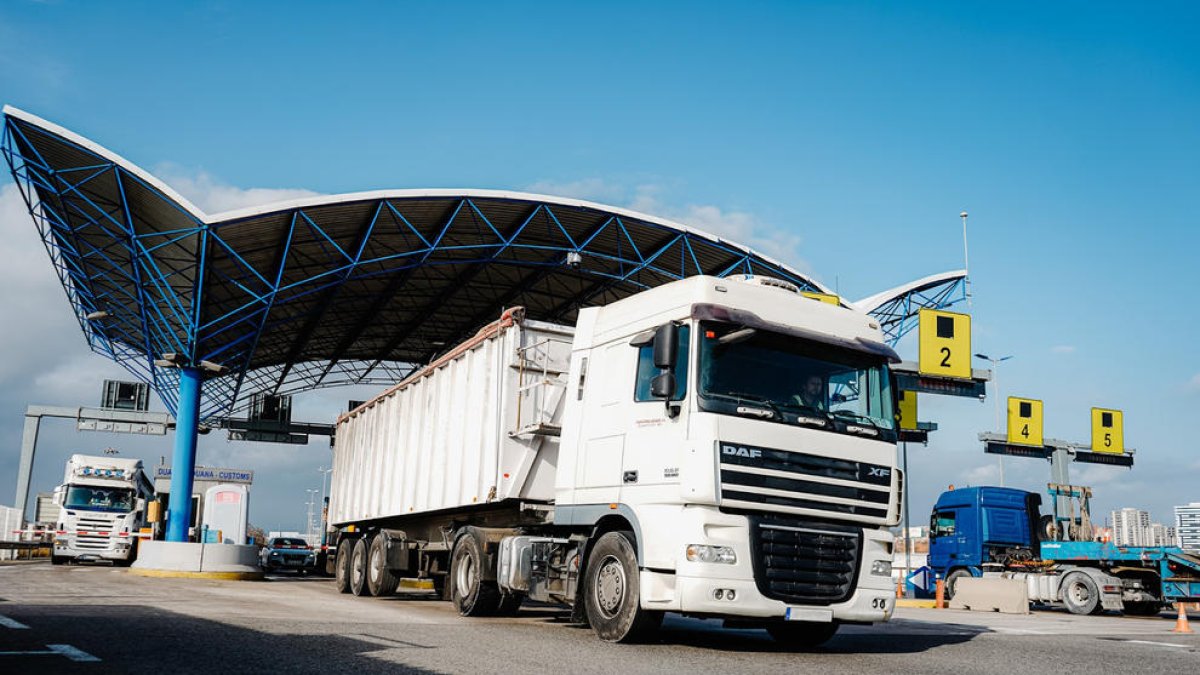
{"points": [[99, 619]]}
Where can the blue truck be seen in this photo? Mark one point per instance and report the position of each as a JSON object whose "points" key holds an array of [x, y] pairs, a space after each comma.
{"points": [[995, 530]]}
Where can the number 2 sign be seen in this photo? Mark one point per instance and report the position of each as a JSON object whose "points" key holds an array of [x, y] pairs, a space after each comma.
{"points": [[945, 344]]}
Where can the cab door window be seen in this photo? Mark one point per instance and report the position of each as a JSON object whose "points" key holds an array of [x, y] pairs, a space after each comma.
{"points": [[647, 372]]}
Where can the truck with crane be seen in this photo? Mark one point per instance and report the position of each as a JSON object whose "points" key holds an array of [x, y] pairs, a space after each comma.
{"points": [[717, 447], [103, 502], [995, 531]]}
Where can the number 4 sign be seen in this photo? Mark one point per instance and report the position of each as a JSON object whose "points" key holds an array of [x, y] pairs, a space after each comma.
{"points": [[1024, 421], [945, 348], [1108, 431]]}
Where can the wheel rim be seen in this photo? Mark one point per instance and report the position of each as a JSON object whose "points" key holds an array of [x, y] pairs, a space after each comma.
{"points": [[375, 567], [1079, 593], [356, 569], [464, 576], [610, 586]]}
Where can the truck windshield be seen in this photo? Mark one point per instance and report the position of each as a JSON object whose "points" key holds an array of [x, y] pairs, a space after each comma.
{"points": [[786, 379], [91, 498]]}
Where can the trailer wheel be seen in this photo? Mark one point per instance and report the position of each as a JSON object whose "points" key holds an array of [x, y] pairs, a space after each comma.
{"points": [[1080, 594], [1144, 608], [802, 634], [952, 579], [613, 591], [358, 567], [471, 593], [381, 581], [341, 565]]}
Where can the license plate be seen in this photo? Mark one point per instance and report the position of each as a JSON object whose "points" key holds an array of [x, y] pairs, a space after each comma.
{"points": [[809, 614]]}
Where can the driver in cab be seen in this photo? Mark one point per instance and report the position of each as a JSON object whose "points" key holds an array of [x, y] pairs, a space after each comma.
{"points": [[812, 393]]}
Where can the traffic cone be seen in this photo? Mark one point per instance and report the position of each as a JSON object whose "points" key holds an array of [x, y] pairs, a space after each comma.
{"points": [[939, 595], [900, 586], [1181, 621]]}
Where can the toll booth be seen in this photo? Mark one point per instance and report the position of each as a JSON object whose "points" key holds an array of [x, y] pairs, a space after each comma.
{"points": [[203, 479]]}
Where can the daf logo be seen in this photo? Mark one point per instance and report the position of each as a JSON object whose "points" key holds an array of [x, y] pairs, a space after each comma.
{"points": [[879, 472], [738, 451]]}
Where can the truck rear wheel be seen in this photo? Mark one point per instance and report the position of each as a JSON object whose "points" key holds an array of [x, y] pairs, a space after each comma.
{"points": [[802, 634], [613, 591], [341, 562], [381, 581], [471, 593], [1080, 594], [358, 568]]}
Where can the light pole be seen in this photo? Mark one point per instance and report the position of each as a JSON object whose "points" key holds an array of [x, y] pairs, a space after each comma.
{"points": [[312, 496], [324, 477], [996, 383], [966, 258]]}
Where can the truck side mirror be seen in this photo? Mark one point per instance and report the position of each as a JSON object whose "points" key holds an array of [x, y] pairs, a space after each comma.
{"points": [[666, 345], [663, 385], [140, 505]]}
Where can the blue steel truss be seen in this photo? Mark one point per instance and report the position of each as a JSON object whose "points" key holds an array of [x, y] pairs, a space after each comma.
{"points": [[297, 299], [898, 315]]}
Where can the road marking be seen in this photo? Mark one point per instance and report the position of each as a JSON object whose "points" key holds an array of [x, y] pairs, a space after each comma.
{"points": [[68, 651], [1158, 644], [11, 623]]}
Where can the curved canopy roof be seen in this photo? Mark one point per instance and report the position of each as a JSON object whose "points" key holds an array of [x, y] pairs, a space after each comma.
{"points": [[354, 288]]}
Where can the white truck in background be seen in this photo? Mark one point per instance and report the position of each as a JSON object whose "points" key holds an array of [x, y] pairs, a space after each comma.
{"points": [[103, 508], [721, 448]]}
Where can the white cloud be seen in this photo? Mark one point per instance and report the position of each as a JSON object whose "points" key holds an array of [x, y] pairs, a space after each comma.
{"points": [[741, 227], [215, 196], [1063, 349], [1194, 383], [985, 474]]}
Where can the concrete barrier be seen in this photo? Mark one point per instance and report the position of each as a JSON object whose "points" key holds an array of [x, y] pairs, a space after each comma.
{"points": [[991, 594], [183, 559]]}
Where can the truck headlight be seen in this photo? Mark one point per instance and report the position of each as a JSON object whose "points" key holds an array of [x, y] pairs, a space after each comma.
{"points": [[711, 554], [882, 568]]}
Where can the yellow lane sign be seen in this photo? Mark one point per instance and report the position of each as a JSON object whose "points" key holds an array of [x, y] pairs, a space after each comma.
{"points": [[945, 347], [906, 405], [1025, 421], [1108, 431]]}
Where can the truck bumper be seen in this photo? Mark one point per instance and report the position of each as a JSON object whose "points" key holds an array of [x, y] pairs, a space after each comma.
{"points": [[694, 587], [117, 550]]}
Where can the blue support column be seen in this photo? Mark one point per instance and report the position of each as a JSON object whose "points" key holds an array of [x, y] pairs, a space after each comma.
{"points": [[183, 461]]}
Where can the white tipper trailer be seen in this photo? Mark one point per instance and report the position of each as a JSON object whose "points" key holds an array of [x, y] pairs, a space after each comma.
{"points": [[717, 447], [102, 509]]}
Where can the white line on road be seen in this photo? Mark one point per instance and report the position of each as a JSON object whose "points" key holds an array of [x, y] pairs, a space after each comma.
{"points": [[1158, 644], [73, 653], [11, 623], [68, 651]]}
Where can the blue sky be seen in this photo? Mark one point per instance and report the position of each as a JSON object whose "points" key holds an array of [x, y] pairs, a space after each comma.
{"points": [[844, 138]]}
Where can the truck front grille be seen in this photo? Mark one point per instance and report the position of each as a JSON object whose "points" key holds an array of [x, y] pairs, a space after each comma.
{"points": [[806, 562], [764, 479]]}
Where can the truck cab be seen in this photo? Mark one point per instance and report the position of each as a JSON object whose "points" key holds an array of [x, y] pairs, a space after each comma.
{"points": [[975, 528], [745, 434], [103, 506]]}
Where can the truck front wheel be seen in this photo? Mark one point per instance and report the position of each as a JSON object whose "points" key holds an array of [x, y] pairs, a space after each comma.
{"points": [[952, 581], [1080, 594], [613, 591], [802, 634]]}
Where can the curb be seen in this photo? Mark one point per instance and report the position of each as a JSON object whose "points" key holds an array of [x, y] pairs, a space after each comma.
{"points": [[922, 604], [179, 574]]}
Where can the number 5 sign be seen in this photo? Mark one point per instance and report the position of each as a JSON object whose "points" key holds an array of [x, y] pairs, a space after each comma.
{"points": [[1108, 431], [945, 344]]}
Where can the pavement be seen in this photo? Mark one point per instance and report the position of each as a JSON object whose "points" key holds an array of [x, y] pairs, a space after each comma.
{"points": [[81, 619]]}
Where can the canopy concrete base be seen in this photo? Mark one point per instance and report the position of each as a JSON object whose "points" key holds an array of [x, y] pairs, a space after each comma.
{"points": [[184, 559]]}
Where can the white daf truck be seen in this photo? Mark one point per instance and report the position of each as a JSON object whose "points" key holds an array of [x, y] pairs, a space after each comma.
{"points": [[102, 508], [720, 448]]}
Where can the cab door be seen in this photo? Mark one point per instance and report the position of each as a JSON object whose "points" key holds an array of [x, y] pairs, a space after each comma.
{"points": [[658, 426]]}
